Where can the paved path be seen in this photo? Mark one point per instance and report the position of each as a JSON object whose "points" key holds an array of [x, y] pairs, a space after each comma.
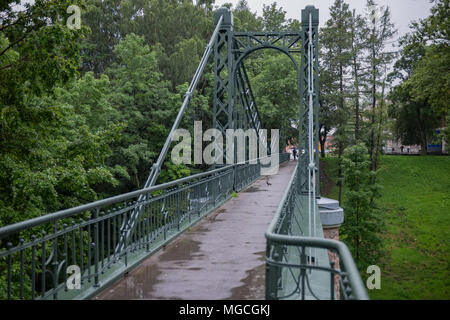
{"points": [[221, 257]]}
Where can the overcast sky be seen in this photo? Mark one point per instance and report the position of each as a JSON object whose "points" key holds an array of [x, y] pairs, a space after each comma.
{"points": [[403, 11]]}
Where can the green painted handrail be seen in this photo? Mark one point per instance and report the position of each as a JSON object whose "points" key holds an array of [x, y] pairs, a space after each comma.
{"points": [[51, 217], [355, 289]]}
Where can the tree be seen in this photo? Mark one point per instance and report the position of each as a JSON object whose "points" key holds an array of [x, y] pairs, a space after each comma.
{"points": [[178, 29], [93, 128], [327, 106], [414, 120], [43, 165], [359, 33], [274, 81], [420, 100], [381, 30], [363, 221], [146, 105], [37, 52], [245, 19], [431, 81], [105, 20], [336, 57], [274, 19], [139, 94]]}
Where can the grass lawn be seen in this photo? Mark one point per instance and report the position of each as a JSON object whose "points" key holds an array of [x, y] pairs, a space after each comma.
{"points": [[416, 203]]}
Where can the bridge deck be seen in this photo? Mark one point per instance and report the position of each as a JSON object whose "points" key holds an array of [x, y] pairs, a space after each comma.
{"points": [[222, 257]]}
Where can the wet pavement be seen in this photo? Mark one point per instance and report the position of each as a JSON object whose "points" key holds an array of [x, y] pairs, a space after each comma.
{"points": [[221, 257]]}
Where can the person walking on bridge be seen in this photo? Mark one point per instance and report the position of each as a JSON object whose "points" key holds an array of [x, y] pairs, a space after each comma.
{"points": [[294, 152]]}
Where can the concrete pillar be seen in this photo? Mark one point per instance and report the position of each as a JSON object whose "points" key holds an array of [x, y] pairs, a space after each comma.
{"points": [[332, 217]]}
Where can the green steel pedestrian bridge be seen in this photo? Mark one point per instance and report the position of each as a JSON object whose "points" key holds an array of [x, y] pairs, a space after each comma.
{"points": [[233, 232]]}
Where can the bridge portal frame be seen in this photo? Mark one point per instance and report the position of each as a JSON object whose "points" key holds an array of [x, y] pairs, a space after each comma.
{"points": [[230, 50]]}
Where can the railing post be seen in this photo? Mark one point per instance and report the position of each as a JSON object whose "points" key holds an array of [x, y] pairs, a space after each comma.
{"points": [[303, 270], [33, 267], [268, 277], [96, 248], [178, 210], [43, 265], [272, 273], [8, 247], [332, 277], [55, 261]]}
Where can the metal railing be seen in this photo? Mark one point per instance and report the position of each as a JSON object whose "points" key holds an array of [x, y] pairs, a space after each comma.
{"points": [[291, 257], [36, 254]]}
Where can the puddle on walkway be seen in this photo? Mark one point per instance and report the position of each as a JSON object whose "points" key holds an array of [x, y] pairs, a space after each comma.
{"points": [[182, 250], [254, 284], [213, 216], [138, 284], [199, 229], [253, 189]]}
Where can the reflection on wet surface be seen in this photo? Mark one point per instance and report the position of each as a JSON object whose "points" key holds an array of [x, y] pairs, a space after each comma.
{"points": [[253, 189], [183, 249], [222, 257], [254, 284]]}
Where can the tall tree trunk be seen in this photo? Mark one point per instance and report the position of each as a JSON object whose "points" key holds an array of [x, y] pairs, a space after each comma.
{"points": [[374, 104], [322, 148], [357, 236], [422, 130], [340, 144], [423, 143], [341, 125], [380, 121], [356, 75], [378, 143], [423, 152]]}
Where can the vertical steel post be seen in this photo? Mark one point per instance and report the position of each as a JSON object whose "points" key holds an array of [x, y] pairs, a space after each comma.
{"points": [[315, 24], [309, 11], [96, 247], [223, 100]]}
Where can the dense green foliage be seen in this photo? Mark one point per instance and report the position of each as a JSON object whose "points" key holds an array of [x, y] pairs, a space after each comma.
{"points": [[85, 112], [420, 101], [41, 169], [363, 221], [353, 79]]}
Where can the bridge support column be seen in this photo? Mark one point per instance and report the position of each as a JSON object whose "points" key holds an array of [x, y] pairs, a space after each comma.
{"points": [[309, 13], [224, 91]]}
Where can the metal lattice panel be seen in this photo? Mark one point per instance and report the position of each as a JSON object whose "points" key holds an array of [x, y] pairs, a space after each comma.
{"points": [[223, 102]]}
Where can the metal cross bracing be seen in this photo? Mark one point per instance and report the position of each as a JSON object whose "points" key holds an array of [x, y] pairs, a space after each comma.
{"points": [[248, 110]]}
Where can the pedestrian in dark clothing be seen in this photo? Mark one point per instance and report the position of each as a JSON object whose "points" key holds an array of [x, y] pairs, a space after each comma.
{"points": [[294, 152]]}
